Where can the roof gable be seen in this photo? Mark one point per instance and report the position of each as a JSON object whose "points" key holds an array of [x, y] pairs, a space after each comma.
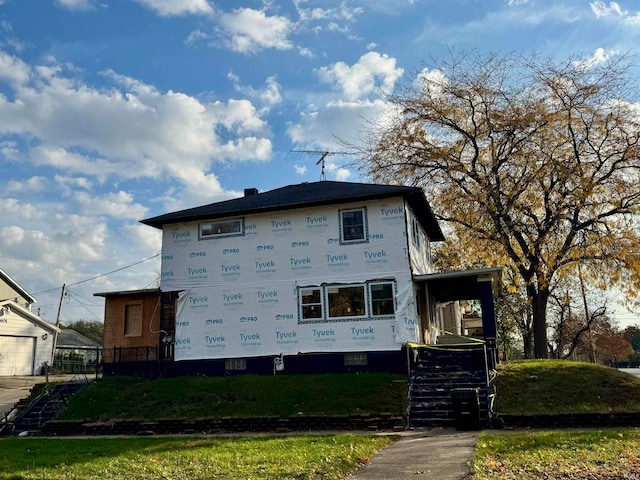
{"points": [[305, 195], [11, 283], [28, 315]]}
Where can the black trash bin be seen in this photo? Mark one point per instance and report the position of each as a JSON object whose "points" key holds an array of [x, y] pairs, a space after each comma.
{"points": [[466, 408]]}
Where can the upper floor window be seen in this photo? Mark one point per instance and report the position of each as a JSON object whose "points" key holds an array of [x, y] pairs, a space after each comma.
{"points": [[223, 228], [353, 225], [415, 232]]}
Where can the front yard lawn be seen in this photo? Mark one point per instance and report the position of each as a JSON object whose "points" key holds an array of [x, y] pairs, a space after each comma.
{"points": [[188, 458], [558, 455]]}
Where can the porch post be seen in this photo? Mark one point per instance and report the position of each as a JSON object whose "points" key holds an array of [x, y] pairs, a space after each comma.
{"points": [[488, 310]]}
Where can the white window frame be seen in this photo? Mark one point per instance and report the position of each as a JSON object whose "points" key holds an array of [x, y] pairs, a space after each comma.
{"points": [[365, 226], [325, 290], [301, 295], [236, 232], [328, 290], [371, 299], [415, 232]]}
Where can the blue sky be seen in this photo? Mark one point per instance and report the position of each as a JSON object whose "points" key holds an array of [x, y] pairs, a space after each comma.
{"points": [[112, 111]]}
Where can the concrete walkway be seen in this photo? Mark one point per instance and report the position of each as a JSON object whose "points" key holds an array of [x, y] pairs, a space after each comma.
{"points": [[431, 454]]}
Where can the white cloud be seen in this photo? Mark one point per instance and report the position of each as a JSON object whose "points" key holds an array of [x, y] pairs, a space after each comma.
{"points": [[147, 239], [268, 96], [77, 5], [340, 173], [14, 208], [197, 36], [68, 183], [370, 73], [13, 69], [33, 184], [432, 81], [305, 52], [129, 131], [168, 8], [601, 9], [341, 13], [118, 205], [300, 169], [248, 31], [335, 121], [614, 10], [599, 56], [511, 3]]}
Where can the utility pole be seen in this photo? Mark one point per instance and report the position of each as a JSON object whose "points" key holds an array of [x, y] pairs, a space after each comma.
{"points": [[55, 335], [60, 305]]}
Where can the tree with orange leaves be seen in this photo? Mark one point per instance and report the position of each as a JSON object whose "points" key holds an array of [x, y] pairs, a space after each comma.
{"points": [[529, 162]]}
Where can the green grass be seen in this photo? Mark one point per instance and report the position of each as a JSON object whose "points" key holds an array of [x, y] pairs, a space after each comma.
{"points": [[558, 454], [241, 396], [177, 458], [558, 386]]}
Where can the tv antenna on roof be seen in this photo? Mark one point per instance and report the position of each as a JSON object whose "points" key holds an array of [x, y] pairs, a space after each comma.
{"points": [[323, 155]]}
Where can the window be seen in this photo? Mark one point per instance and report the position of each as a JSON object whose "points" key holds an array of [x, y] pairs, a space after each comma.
{"points": [[346, 301], [133, 320], [310, 303], [415, 232], [359, 358], [382, 301], [235, 364], [225, 228], [343, 302], [353, 226]]}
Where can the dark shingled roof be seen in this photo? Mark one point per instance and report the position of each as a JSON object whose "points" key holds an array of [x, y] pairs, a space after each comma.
{"points": [[306, 195], [69, 338]]}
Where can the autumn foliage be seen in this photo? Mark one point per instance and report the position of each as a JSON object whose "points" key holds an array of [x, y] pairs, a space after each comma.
{"points": [[530, 163]]}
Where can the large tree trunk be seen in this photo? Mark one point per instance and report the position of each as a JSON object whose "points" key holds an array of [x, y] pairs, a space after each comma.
{"points": [[539, 299]]}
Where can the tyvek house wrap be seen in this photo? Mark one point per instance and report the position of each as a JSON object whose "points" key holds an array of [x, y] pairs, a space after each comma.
{"points": [[240, 294]]}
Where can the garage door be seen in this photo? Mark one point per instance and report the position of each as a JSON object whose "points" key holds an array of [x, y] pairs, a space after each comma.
{"points": [[16, 355]]}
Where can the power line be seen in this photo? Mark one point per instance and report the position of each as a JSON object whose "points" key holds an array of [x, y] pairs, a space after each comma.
{"points": [[99, 276]]}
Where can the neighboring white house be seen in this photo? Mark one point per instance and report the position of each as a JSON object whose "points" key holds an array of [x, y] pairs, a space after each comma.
{"points": [[315, 268], [26, 340]]}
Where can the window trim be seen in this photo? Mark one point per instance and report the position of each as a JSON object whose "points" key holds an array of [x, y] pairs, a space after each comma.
{"points": [[355, 359], [138, 332], [324, 297], [209, 236], [393, 297], [301, 304], [365, 226], [235, 364], [365, 291]]}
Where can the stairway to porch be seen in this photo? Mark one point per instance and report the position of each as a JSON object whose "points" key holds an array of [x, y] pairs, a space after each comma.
{"points": [[441, 372], [44, 408]]}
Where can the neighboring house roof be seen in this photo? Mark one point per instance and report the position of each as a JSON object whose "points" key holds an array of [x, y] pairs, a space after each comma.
{"points": [[14, 285], [124, 293], [306, 195], [27, 314], [69, 338]]}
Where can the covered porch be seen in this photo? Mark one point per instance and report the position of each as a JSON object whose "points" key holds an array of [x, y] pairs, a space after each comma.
{"points": [[458, 307]]}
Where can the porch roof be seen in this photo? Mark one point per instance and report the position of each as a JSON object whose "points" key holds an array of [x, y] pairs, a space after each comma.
{"points": [[460, 285]]}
